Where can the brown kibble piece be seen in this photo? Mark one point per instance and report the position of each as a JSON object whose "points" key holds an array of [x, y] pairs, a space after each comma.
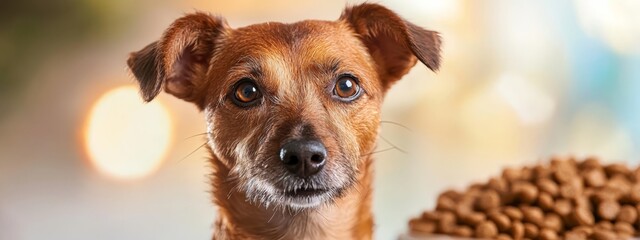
{"points": [[548, 186], [488, 200], [513, 213], [620, 184], [452, 194], [590, 163], [462, 231], [563, 173], [517, 230], [562, 207], [606, 225], [486, 229], [575, 235], [511, 174], [553, 221], [422, 226], [430, 216], [595, 178], [472, 218], [530, 230], [533, 215], [525, 192], [634, 193], [587, 230], [627, 214], [608, 210], [602, 234], [502, 221], [503, 236], [617, 168], [447, 222], [445, 204], [547, 234], [583, 216], [623, 227], [498, 184], [545, 201], [571, 189], [582, 201]]}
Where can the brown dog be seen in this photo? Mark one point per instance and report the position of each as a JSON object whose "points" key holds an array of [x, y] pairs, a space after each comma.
{"points": [[292, 113]]}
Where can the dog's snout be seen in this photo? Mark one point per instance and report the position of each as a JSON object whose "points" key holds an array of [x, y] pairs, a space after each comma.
{"points": [[303, 157]]}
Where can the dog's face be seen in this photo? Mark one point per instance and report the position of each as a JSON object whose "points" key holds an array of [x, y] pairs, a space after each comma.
{"points": [[291, 109]]}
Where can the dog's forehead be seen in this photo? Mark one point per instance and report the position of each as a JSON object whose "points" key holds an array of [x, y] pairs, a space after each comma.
{"points": [[285, 50], [312, 41], [293, 34]]}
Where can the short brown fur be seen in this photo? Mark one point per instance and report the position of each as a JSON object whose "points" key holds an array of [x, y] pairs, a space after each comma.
{"points": [[294, 66]]}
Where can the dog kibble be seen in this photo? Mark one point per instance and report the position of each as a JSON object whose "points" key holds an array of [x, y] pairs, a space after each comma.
{"points": [[423, 227], [565, 199], [517, 230], [548, 234], [530, 230], [606, 225], [545, 201], [472, 218], [595, 178], [533, 215], [502, 221], [549, 186], [488, 200], [608, 209], [486, 229], [563, 207], [624, 228], [575, 235], [462, 231], [603, 234], [582, 216], [513, 213], [627, 214], [446, 222], [525, 192], [445, 204], [553, 221], [583, 229], [503, 236]]}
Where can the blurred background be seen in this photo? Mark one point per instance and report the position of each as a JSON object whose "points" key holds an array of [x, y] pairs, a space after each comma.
{"points": [[82, 158]]}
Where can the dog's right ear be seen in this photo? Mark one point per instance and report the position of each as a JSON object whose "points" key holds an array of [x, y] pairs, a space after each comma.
{"points": [[180, 59]]}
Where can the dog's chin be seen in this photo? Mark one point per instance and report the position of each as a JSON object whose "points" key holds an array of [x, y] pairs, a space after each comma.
{"points": [[308, 198]]}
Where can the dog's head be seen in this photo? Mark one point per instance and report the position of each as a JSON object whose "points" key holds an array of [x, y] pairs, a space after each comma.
{"points": [[291, 109]]}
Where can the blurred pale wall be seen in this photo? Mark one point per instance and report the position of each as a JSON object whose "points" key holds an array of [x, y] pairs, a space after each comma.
{"points": [[520, 80]]}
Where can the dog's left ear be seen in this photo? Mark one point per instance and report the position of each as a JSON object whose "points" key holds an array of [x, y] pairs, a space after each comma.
{"points": [[179, 60], [393, 42]]}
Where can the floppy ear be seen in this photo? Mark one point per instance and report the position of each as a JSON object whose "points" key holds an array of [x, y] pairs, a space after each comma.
{"points": [[180, 59], [394, 43]]}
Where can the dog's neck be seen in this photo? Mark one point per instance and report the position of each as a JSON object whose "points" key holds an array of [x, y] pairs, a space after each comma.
{"points": [[347, 218]]}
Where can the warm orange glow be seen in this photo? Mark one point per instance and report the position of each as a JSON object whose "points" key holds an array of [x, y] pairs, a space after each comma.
{"points": [[124, 137]]}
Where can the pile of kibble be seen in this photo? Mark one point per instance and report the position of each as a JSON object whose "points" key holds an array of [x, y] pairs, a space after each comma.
{"points": [[565, 198]]}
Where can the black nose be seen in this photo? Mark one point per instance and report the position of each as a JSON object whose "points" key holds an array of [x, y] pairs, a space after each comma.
{"points": [[303, 157]]}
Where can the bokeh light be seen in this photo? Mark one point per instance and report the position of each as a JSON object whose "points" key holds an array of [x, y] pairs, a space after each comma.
{"points": [[124, 137]]}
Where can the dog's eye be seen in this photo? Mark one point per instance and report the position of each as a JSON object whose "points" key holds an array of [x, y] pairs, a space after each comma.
{"points": [[246, 93], [346, 88]]}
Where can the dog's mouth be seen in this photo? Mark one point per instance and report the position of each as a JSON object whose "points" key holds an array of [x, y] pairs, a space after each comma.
{"points": [[305, 192], [309, 197]]}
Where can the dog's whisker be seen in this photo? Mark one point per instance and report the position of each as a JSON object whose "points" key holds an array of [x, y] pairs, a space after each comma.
{"points": [[199, 134], [397, 124], [378, 151], [393, 145], [192, 152], [272, 215]]}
